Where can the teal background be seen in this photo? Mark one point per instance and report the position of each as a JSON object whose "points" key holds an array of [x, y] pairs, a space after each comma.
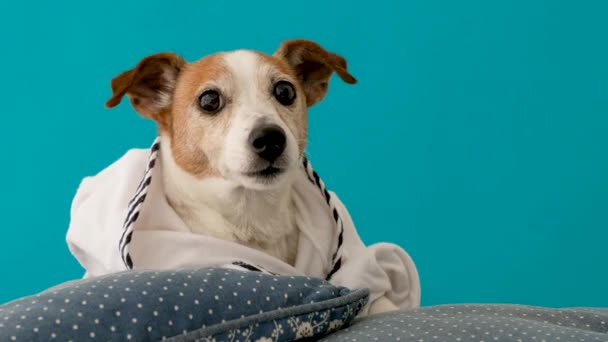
{"points": [[476, 138]]}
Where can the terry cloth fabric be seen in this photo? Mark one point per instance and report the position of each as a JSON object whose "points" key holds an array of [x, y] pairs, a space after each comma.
{"points": [[121, 220]]}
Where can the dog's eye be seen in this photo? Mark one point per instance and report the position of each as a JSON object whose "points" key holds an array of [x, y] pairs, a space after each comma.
{"points": [[284, 92], [210, 101]]}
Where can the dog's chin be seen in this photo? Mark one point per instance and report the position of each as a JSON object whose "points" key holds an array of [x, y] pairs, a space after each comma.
{"points": [[268, 178]]}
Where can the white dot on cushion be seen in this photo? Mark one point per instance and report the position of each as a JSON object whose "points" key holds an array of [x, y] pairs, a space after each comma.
{"points": [[112, 328], [139, 305], [149, 328], [229, 307], [75, 327], [248, 302], [160, 299], [13, 338], [57, 321], [67, 300], [267, 299], [176, 308], [196, 301], [170, 322], [134, 320], [129, 336], [254, 289], [155, 313], [101, 306], [35, 330], [210, 311], [190, 316], [117, 313], [92, 334]]}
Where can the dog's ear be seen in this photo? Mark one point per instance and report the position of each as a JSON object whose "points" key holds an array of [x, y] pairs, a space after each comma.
{"points": [[149, 85], [314, 66]]}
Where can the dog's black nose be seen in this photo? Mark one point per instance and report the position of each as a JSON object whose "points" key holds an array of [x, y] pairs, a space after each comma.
{"points": [[268, 142]]}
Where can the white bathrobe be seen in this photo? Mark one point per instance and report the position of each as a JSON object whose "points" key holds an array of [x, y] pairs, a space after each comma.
{"points": [[120, 220]]}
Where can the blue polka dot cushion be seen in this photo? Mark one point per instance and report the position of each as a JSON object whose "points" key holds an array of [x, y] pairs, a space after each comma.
{"points": [[186, 305], [478, 323]]}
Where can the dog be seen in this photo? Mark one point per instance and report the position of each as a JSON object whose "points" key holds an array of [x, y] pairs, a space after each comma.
{"points": [[233, 127]]}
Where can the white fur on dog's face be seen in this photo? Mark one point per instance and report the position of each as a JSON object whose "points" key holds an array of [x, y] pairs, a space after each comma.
{"points": [[218, 144], [253, 105]]}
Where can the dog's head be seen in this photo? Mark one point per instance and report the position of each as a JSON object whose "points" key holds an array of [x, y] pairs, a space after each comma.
{"points": [[239, 115]]}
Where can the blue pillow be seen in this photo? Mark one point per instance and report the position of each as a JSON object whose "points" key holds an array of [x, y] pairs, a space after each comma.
{"points": [[203, 304], [485, 322]]}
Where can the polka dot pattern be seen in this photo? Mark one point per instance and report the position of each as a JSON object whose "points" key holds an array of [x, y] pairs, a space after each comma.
{"points": [[148, 305], [477, 323]]}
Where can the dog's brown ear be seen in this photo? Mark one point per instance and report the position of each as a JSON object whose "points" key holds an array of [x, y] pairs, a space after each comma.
{"points": [[313, 66], [149, 85]]}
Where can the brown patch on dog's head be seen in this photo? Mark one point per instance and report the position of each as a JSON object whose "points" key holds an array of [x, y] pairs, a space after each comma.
{"points": [[314, 66], [149, 86], [189, 127]]}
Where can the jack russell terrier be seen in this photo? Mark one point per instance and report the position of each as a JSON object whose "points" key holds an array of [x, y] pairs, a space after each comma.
{"points": [[226, 182]]}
